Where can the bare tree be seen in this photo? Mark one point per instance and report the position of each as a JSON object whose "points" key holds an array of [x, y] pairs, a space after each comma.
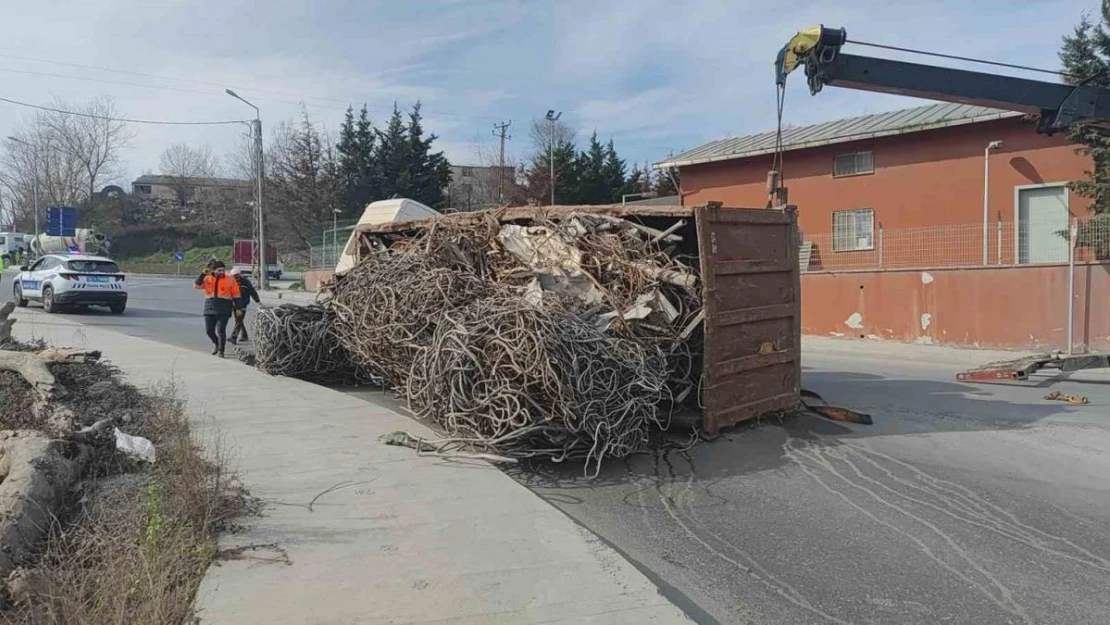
{"points": [[69, 153], [185, 165], [91, 139], [544, 133], [303, 185]]}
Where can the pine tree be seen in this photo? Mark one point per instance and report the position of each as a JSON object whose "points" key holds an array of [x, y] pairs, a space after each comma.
{"points": [[665, 182], [392, 158], [614, 172], [428, 172], [537, 176], [356, 167], [592, 187], [1085, 56]]}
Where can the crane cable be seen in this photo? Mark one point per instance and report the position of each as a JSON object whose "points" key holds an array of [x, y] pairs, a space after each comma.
{"points": [[960, 58], [776, 161]]}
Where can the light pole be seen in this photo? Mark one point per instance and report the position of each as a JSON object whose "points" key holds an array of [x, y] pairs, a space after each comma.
{"points": [[260, 244], [35, 181], [552, 117], [335, 235], [993, 145], [643, 194]]}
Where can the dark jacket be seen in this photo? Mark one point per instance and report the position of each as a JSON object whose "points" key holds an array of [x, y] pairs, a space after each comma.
{"points": [[248, 292], [220, 293]]}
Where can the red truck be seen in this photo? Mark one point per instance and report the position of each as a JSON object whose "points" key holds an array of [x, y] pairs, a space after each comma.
{"points": [[243, 256]]}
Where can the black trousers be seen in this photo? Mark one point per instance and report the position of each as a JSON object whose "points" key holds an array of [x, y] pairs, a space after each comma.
{"points": [[240, 329], [216, 327]]}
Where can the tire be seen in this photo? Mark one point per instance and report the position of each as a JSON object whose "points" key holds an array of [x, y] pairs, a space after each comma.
{"points": [[48, 299], [117, 308], [17, 295]]}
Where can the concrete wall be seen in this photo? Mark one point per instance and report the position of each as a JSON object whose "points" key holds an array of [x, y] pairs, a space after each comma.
{"points": [[921, 179], [1009, 307]]}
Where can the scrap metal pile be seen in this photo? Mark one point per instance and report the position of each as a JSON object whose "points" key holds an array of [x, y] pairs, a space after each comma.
{"points": [[565, 339]]}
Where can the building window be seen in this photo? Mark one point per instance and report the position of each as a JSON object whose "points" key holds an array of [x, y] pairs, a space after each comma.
{"points": [[854, 230], [467, 172], [854, 164], [142, 189]]}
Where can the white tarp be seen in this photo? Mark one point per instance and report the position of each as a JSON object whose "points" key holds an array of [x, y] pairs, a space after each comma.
{"points": [[384, 211]]}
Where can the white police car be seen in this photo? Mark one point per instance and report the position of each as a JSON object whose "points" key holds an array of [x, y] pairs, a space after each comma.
{"points": [[61, 280]]}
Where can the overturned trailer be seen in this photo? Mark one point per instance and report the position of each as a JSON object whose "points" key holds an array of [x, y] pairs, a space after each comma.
{"points": [[747, 260]]}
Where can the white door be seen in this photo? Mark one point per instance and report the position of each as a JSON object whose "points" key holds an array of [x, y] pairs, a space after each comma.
{"points": [[1042, 228]]}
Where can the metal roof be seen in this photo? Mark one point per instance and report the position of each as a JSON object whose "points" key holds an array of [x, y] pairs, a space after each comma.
{"points": [[841, 131]]}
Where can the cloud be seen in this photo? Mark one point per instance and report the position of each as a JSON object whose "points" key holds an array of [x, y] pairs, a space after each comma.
{"points": [[655, 75]]}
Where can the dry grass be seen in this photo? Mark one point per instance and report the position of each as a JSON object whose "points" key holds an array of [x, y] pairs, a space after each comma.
{"points": [[137, 545]]}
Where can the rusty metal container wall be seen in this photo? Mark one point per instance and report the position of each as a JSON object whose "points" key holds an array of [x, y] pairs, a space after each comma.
{"points": [[749, 260]]}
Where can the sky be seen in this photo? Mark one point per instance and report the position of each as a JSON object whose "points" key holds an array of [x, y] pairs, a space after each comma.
{"points": [[655, 76]]}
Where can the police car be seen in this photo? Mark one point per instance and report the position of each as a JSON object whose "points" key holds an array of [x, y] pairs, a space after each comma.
{"points": [[62, 280]]}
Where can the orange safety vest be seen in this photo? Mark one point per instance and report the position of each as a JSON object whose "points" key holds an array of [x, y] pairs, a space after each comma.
{"points": [[219, 287]]}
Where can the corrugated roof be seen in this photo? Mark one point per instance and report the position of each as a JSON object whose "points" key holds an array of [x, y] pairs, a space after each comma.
{"points": [[841, 131]]}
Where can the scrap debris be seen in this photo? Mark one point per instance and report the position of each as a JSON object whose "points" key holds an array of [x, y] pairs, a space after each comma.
{"points": [[1071, 399], [562, 339], [299, 343]]}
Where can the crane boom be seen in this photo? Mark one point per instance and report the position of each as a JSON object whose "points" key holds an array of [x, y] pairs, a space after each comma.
{"points": [[1058, 105]]}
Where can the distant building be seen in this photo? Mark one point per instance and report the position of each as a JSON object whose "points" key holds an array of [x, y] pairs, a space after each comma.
{"points": [[475, 187], [185, 189]]}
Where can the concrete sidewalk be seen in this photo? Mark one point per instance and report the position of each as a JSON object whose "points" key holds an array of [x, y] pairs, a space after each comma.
{"points": [[389, 537]]}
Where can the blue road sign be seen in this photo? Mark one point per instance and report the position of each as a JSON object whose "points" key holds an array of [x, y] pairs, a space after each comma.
{"points": [[61, 221], [179, 256]]}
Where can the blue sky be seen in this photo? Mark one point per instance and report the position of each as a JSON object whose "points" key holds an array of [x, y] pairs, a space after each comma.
{"points": [[656, 76]]}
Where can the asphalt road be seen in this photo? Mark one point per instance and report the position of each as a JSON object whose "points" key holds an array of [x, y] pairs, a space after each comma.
{"points": [[962, 504]]}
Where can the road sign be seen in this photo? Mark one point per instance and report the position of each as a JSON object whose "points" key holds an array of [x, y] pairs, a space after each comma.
{"points": [[61, 221], [179, 257]]}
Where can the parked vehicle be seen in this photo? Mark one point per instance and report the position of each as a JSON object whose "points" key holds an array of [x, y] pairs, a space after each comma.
{"points": [[242, 258], [62, 280], [85, 241], [13, 244]]}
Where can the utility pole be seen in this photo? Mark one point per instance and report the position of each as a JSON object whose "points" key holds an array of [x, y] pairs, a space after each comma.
{"points": [[260, 246], [552, 117], [499, 130]]}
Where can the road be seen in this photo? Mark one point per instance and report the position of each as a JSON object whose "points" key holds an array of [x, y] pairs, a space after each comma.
{"points": [[963, 503]]}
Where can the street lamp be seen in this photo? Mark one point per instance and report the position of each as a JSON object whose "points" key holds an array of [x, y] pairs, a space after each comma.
{"points": [[35, 183], [552, 117], [993, 145], [260, 244]]}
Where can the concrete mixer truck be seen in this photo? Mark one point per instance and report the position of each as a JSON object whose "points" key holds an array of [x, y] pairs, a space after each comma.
{"points": [[85, 241]]}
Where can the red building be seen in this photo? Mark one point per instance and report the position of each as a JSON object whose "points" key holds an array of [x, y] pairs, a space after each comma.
{"points": [[905, 170], [892, 211]]}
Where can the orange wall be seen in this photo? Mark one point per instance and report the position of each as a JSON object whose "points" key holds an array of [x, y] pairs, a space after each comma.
{"points": [[921, 179], [1009, 307]]}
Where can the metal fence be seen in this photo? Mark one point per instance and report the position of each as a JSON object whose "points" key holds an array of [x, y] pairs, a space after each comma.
{"points": [[961, 245], [326, 242]]}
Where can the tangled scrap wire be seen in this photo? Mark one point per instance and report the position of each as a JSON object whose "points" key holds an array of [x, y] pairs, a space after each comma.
{"points": [[450, 320], [297, 341], [525, 381]]}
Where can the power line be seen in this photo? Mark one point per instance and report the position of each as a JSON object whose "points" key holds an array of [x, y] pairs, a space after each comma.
{"points": [[336, 103], [962, 58], [121, 119]]}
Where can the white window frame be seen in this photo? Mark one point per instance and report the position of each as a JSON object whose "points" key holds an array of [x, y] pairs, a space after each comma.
{"points": [[857, 169], [850, 242]]}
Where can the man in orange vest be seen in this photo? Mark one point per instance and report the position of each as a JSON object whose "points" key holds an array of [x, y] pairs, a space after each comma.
{"points": [[220, 293]]}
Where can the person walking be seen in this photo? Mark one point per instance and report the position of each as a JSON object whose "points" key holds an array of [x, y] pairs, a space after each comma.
{"points": [[220, 292], [239, 312]]}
